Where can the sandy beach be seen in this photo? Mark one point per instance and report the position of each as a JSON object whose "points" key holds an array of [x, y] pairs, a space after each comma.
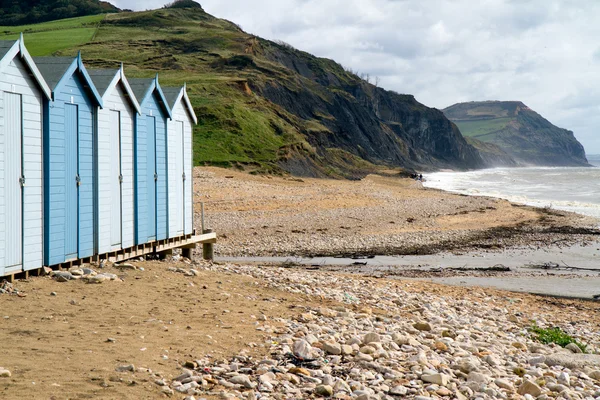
{"points": [[193, 330]]}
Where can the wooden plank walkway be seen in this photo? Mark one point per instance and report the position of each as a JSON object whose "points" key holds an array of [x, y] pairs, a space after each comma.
{"points": [[162, 248]]}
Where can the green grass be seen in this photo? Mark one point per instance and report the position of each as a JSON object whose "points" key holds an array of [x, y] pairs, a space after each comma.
{"points": [[555, 335], [481, 128], [50, 37], [68, 23]]}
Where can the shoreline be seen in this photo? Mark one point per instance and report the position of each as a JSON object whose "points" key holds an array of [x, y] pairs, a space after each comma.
{"points": [[275, 216]]}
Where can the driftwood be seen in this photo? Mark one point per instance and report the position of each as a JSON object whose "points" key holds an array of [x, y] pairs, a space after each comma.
{"points": [[551, 265], [495, 268]]}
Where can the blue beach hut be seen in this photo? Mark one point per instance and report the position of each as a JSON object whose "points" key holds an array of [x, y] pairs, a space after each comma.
{"points": [[180, 128], [22, 92], [69, 178], [151, 186], [115, 139]]}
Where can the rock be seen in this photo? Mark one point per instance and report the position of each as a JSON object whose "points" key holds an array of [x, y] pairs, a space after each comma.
{"points": [[167, 390], [574, 348], [4, 373], [537, 360], [478, 377], [595, 375], [573, 361], [98, 279], [332, 348], [125, 368], [62, 276], [371, 338], [324, 390], [528, 387], [422, 326], [243, 380], [299, 371], [504, 384], [437, 379], [303, 350], [564, 379], [467, 366], [399, 390], [440, 346], [347, 350]]}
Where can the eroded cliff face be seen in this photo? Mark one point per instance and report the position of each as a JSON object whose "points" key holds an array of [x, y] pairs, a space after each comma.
{"points": [[519, 131], [376, 125]]}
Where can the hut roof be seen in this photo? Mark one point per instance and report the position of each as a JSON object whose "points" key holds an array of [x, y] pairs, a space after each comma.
{"points": [[53, 68]]}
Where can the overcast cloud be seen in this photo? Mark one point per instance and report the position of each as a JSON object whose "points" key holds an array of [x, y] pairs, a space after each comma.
{"points": [[542, 52]]}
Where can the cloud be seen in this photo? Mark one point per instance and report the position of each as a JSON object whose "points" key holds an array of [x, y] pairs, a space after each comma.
{"points": [[542, 52]]}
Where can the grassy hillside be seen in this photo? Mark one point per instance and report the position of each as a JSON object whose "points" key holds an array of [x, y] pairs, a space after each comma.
{"points": [[261, 105]]}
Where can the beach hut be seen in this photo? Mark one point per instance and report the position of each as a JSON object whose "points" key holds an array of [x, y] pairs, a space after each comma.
{"points": [[114, 192], [22, 91], [150, 152], [180, 128], [69, 178]]}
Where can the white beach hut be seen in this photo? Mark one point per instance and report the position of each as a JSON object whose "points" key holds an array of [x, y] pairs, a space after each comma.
{"points": [[180, 128], [115, 189], [22, 91]]}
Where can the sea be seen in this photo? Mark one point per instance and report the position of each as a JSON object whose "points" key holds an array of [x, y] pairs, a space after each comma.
{"points": [[575, 189]]}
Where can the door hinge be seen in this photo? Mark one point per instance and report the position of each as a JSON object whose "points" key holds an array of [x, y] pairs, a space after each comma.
{"points": [[78, 180], [183, 176], [155, 177], [120, 178], [22, 181]]}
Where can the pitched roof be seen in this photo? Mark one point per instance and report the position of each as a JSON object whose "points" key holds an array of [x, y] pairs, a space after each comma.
{"points": [[5, 46], [171, 94], [140, 87], [102, 78], [53, 68]]}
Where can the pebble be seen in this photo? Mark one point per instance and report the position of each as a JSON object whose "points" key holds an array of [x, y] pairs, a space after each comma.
{"points": [[456, 348]]}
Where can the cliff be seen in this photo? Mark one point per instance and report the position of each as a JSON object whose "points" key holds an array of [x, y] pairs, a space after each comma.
{"points": [[518, 131]]}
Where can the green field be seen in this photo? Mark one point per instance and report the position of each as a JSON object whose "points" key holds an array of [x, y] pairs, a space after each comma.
{"points": [[49, 37], [479, 129]]}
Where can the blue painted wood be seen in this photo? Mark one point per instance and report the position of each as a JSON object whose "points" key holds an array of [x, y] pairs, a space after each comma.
{"points": [[63, 148], [151, 176], [151, 205], [71, 182]]}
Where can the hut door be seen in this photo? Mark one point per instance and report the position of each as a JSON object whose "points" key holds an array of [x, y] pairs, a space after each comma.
{"points": [[72, 181], [116, 178], [13, 181], [180, 179], [152, 176]]}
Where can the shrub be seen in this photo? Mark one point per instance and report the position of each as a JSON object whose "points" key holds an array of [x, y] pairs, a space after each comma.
{"points": [[555, 335]]}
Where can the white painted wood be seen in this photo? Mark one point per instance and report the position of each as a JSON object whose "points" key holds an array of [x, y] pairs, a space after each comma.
{"points": [[180, 165], [115, 100], [12, 187], [115, 177], [15, 77]]}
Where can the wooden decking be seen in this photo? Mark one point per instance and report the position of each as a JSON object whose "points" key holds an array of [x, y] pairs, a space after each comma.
{"points": [[160, 247]]}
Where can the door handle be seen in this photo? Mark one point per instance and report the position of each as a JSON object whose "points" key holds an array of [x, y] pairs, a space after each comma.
{"points": [[155, 177], [120, 178], [183, 176], [22, 181], [78, 180]]}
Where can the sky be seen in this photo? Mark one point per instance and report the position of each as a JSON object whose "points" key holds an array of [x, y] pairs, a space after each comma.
{"points": [[545, 53]]}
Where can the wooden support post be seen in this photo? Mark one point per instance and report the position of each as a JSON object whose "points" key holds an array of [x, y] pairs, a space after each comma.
{"points": [[188, 251], [164, 254], [208, 248]]}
